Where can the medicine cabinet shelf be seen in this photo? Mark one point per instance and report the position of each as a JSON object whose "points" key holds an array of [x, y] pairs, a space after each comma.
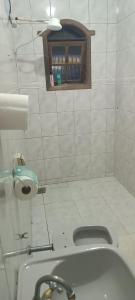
{"points": [[67, 56], [67, 86]]}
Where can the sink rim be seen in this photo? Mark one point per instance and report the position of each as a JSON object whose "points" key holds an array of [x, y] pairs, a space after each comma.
{"points": [[61, 254]]}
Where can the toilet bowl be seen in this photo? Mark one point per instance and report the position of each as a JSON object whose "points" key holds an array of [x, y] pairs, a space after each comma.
{"points": [[88, 235]]}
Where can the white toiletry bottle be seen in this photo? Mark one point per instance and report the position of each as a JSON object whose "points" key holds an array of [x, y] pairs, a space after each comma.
{"points": [[52, 79]]}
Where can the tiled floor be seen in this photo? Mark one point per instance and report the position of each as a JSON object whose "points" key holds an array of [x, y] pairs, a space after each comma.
{"points": [[66, 206]]}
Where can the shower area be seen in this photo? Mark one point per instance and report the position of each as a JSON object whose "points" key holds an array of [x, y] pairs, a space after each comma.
{"points": [[80, 142]]}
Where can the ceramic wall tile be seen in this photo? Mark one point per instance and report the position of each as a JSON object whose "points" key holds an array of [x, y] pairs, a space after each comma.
{"points": [[98, 143], [16, 146], [99, 40], [40, 70], [49, 124], [52, 168], [111, 66], [22, 35], [99, 95], [61, 9], [34, 149], [83, 144], [111, 37], [66, 123], [3, 12], [110, 95], [109, 164], [83, 165], [98, 11], [66, 145], [98, 165], [51, 147], [8, 75], [112, 11], [47, 101], [110, 122], [125, 10], [33, 99], [26, 70], [37, 42], [110, 142], [82, 100], [80, 12], [98, 120], [38, 167], [38, 10], [21, 9], [82, 122], [65, 101], [67, 166], [34, 126], [98, 66]]}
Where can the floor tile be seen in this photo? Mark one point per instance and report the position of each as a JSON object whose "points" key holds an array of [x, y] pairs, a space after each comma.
{"points": [[99, 201]]}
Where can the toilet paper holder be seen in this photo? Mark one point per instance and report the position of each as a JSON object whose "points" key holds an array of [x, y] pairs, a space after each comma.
{"points": [[25, 180], [18, 160]]}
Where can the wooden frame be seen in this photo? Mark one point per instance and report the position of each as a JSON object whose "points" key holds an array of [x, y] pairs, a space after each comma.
{"points": [[86, 84]]}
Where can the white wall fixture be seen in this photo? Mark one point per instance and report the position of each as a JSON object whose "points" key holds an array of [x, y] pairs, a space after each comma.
{"points": [[52, 23]]}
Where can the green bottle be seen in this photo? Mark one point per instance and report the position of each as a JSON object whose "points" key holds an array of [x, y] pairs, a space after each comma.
{"points": [[58, 78]]}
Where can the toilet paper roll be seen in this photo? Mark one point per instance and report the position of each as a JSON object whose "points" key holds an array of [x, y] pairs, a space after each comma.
{"points": [[25, 188], [25, 183], [13, 100], [13, 111]]}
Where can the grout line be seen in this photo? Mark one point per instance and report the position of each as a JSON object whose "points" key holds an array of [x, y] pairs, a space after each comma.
{"points": [[47, 226], [126, 17], [89, 14], [114, 213]]}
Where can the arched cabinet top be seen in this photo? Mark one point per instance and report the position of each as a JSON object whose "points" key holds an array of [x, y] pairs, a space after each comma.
{"points": [[70, 25]]}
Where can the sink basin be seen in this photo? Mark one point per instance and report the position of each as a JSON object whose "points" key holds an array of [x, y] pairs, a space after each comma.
{"points": [[96, 273]]}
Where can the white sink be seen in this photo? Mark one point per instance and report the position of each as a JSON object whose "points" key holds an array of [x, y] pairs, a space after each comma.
{"points": [[96, 273]]}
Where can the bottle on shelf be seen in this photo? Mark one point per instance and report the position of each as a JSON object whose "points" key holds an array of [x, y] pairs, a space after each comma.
{"points": [[58, 78], [51, 79]]}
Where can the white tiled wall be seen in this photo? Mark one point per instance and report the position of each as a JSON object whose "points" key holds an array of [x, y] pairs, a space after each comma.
{"points": [[14, 215], [68, 135], [125, 95], [7, 82]]}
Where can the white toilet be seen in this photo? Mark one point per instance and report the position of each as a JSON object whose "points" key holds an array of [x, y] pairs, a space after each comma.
{"points": [[88, 235]]}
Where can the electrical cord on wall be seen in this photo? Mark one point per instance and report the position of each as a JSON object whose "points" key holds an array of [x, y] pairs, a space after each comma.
{"points": [[31, 41], [38, 34], [10, 10]]}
